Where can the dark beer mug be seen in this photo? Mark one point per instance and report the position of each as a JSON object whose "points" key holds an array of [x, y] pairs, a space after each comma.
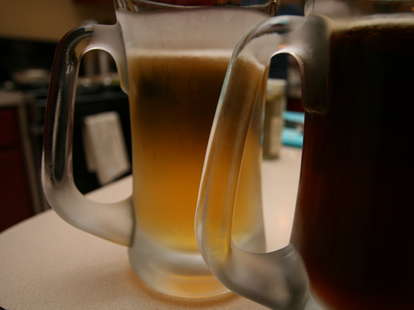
{"points": [[352, 239]]}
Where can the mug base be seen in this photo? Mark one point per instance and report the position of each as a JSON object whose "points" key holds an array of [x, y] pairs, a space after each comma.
{"points": [[178, 274]]}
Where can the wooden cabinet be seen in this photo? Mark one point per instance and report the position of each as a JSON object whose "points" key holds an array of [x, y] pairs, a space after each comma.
{"points": [[17, 180], [9, 129]]}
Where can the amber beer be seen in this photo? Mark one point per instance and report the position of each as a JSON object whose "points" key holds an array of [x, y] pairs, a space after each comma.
{"points": [[173, 97]]}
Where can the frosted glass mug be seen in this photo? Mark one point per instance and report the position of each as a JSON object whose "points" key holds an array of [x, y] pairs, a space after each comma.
{"points": [[351, 243], [171, 57]]}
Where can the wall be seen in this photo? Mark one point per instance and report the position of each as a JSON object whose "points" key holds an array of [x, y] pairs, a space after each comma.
{"points": [[49, 19]]}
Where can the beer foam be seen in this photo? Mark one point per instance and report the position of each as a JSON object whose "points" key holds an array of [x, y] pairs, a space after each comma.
{"points": [[376, 22], [196, 53], [211, 54]]}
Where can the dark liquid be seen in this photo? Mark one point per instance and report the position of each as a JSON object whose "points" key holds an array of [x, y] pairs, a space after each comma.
{"points": [[355, 214]]}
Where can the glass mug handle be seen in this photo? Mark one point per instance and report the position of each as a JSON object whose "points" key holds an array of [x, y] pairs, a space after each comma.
{"points": [[275, 279], [111, 221]]}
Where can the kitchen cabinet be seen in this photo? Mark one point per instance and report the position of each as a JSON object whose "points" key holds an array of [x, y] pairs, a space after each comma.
{"points": [[19, 190]]}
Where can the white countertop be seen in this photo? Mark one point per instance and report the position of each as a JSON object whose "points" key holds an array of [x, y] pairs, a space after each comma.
{"points": [[47, 264]]}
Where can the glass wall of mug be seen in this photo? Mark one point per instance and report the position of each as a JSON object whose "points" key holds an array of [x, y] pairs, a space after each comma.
{"points": [[172, 58], [352, 226]]}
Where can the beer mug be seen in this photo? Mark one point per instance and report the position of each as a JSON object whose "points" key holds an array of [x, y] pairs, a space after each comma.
{"points": [[171, 57], [351, 242]]}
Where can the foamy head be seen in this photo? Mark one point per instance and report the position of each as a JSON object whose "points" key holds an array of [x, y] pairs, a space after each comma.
{"points": [[179, 53], [375, 22], [210, 55]]}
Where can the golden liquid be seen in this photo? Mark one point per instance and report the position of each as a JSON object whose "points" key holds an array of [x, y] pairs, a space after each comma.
{"points": [[173, 97]]}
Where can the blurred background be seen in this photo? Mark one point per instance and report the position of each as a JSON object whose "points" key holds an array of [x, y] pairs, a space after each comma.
{"points": [[29, 32]]}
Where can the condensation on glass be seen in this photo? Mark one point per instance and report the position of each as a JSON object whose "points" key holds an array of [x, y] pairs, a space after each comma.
{"points": [[171, 57]]}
